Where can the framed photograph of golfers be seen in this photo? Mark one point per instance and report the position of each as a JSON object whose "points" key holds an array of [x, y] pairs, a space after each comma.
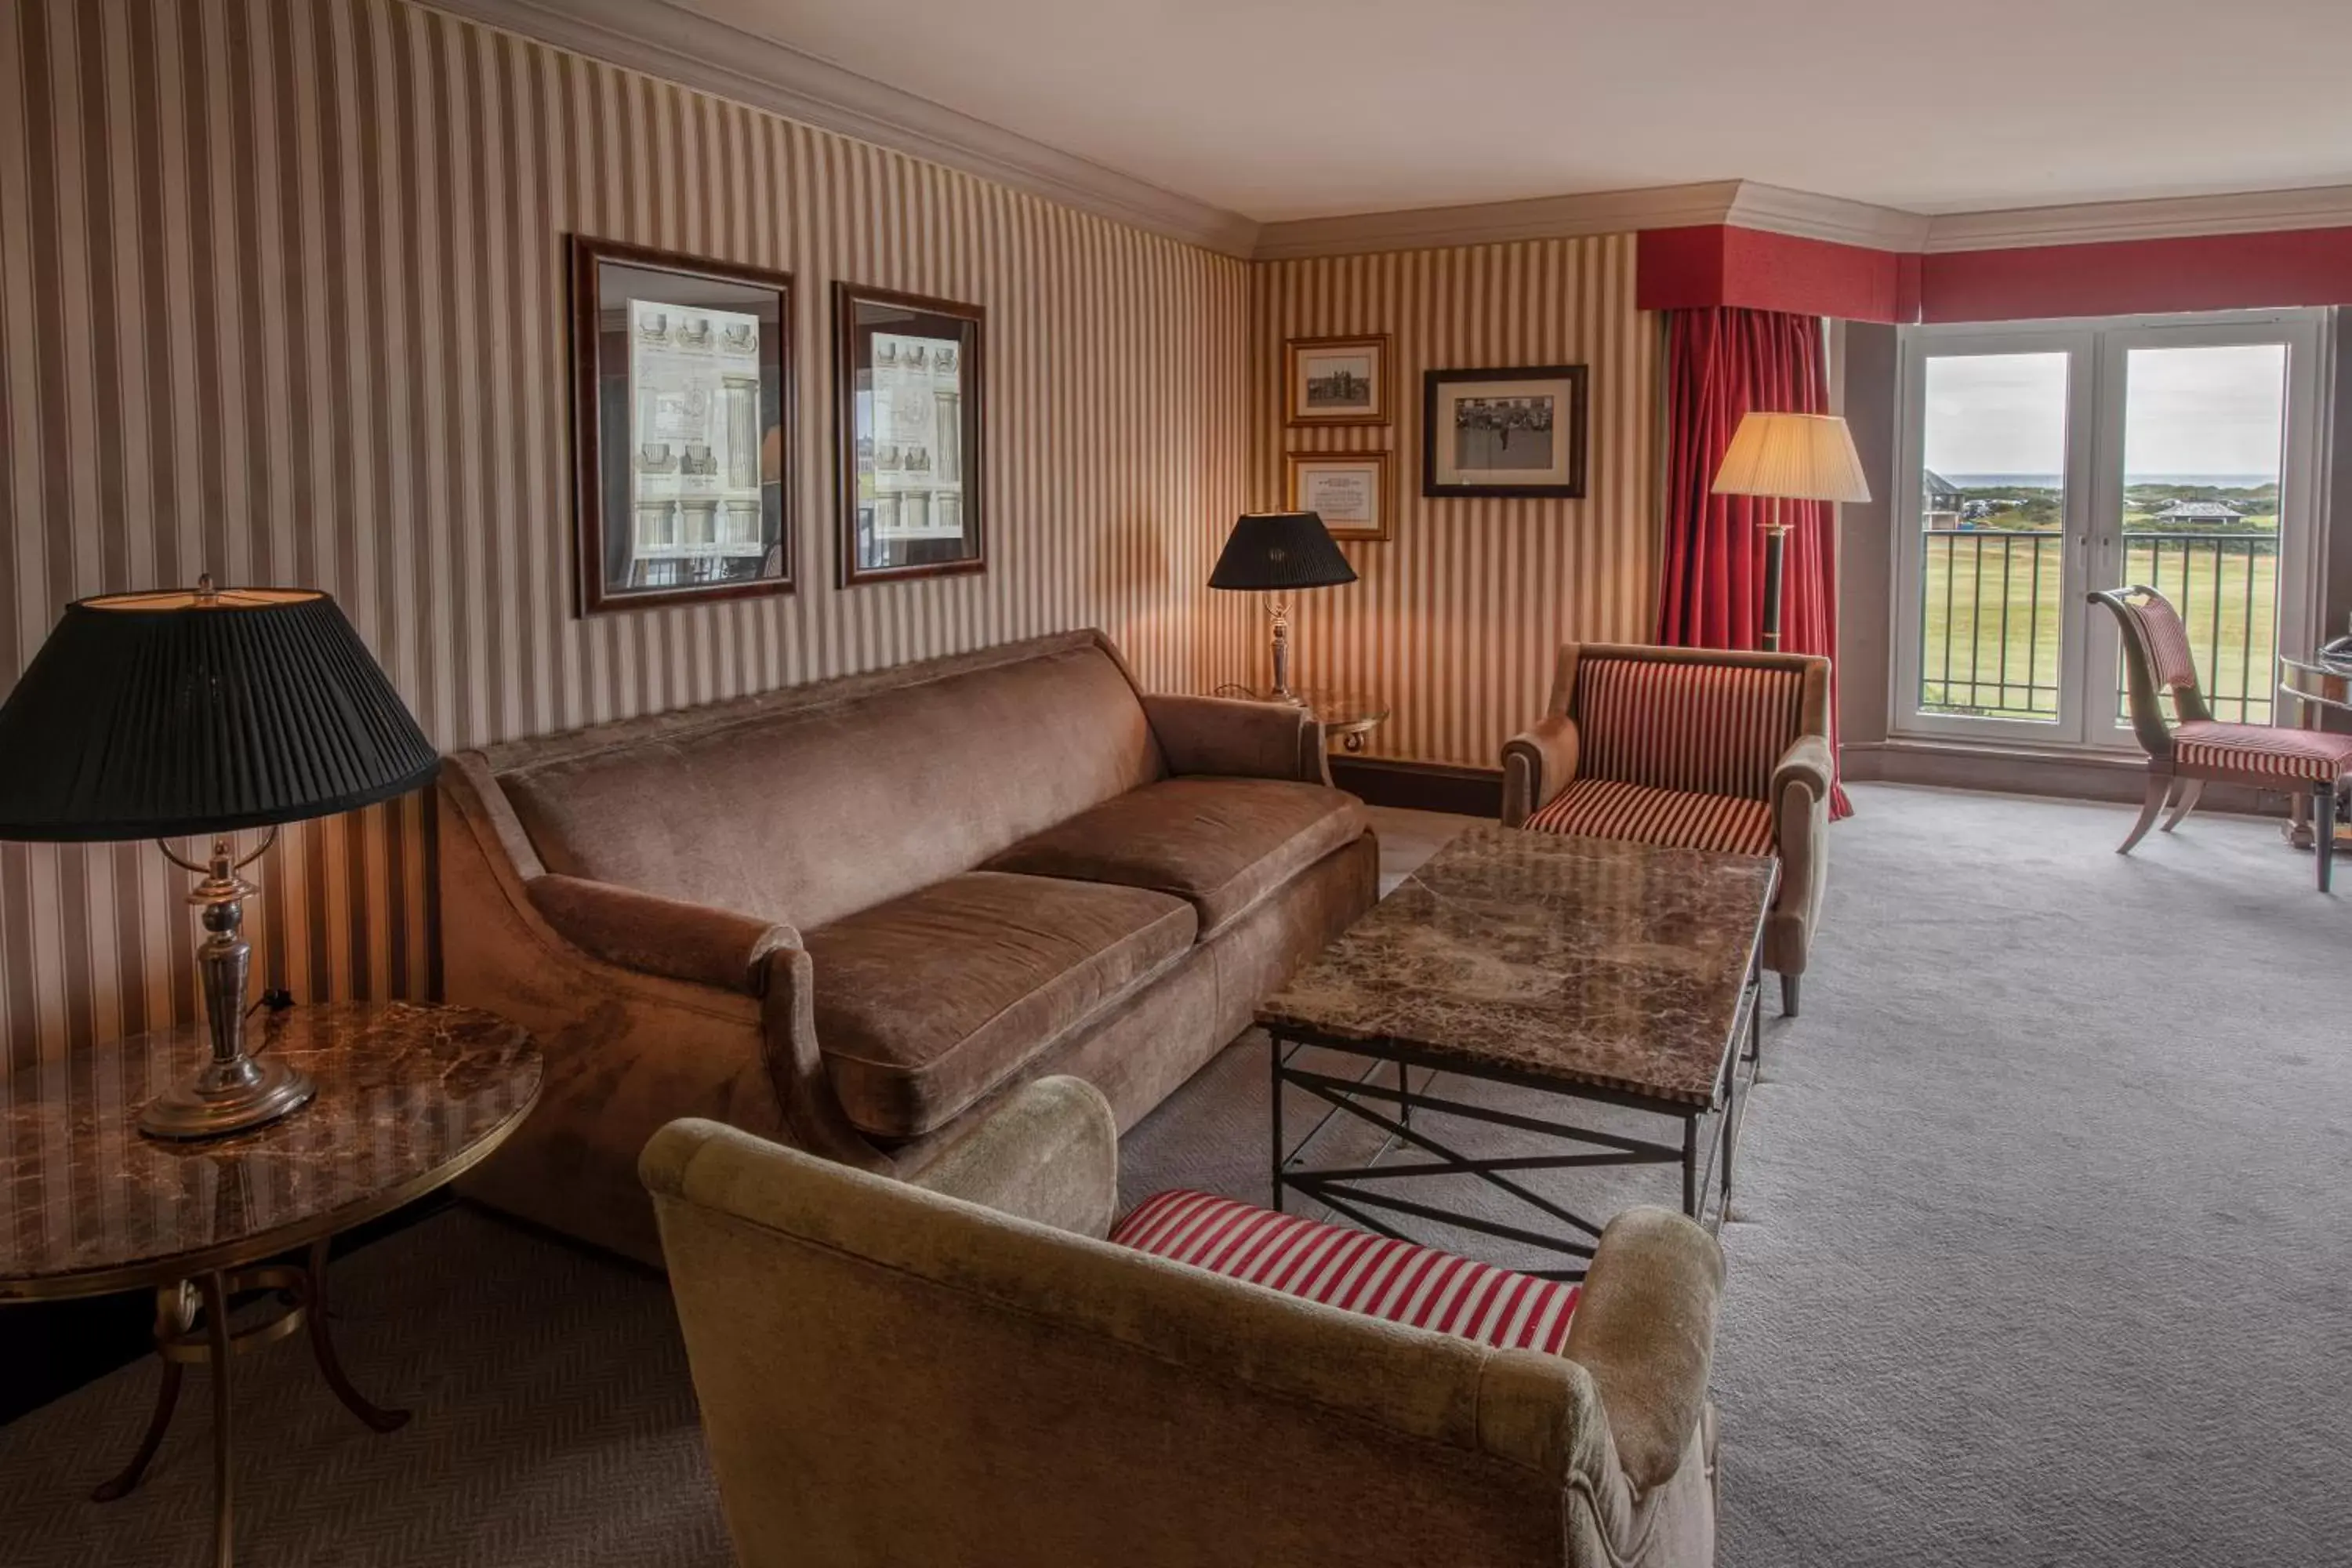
{"points": [[907, 408], [1507, 432], [682, 409], [1353, 492], [1338, 380]]}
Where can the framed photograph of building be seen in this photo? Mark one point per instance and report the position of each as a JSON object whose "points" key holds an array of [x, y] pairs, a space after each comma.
{"points": [[681, 422], [1353, 492], [907, 389], [1338, 380], [1515, 432]]}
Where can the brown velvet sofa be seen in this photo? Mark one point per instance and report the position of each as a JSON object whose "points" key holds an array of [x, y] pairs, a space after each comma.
{"points": [[845, 915], [962, 1370]]}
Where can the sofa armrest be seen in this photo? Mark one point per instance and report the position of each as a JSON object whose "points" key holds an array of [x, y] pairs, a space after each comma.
{"points": [[655, 935], [1645, 1331], [1537, 763], [1047, 1152], [1227, 737], [1805, 765]]}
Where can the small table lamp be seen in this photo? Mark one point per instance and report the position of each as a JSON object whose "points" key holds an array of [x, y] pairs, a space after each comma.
{"points": [[1274, 553], [1791, 457], [179, 712]]}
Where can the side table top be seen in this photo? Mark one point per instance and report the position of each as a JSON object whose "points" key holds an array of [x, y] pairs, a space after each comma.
{"points": [[409, 1096], [1553, 958]]}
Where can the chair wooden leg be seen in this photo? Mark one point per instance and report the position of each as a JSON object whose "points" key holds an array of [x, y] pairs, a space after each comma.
{"points": [[2322, 825], [1788, 995], [2158, 786], [2191, 791]]}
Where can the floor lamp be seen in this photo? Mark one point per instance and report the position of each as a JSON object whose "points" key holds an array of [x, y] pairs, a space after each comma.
{"points": [[1788, 456]]}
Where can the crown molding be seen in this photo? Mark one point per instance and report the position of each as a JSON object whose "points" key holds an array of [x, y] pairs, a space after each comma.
{"points": [[2174, 217], [1776, 209], [1491, 223], [666, 39]]}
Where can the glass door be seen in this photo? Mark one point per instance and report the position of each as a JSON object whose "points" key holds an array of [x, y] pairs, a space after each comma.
{"points": [[2047, 462], [1995, 519], [2211, 437]]}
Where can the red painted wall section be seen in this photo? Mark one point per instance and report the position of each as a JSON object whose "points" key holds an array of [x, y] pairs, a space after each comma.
{"points": [[2140, 277]]}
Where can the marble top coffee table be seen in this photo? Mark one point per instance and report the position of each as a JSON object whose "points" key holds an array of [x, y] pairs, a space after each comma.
{"points": [[1587, 969]]}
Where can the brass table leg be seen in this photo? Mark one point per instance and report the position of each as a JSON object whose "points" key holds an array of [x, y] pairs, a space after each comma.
{"points": [[324, 1347], [216, 1335], [175, 1315]]}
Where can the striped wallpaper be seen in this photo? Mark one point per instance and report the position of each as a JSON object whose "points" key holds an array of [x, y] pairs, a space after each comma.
{"points": [[281, 298], [1456, 618]]}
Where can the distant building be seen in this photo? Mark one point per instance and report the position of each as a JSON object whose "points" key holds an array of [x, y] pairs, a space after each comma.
{"points": [[1940, 501], [2198, 511]]}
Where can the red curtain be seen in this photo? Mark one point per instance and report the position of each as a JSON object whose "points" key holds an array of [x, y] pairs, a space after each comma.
{"points": [[1721, 362]]}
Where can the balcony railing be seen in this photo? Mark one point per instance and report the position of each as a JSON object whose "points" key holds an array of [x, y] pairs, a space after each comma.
{"points": [[1993, 603]]}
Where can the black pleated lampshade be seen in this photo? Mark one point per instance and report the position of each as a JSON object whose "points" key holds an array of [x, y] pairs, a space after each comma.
{"points": [[157, 714], [1276, 550]]}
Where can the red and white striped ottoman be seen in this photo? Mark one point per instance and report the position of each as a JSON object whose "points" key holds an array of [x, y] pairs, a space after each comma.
{"points": [[1353, 1269]]}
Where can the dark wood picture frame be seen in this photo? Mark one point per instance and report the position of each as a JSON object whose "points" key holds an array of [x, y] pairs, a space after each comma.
{"points": [[1384, 491], [1578, 378], [853, 354], [1297, 417], [601, 413]]}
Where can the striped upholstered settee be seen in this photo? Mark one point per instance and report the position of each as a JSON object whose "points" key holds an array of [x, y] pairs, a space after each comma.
{"points": [[1693, 748]]}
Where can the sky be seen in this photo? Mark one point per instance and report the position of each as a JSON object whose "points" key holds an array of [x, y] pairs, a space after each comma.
{"points": [[2188, 411]]}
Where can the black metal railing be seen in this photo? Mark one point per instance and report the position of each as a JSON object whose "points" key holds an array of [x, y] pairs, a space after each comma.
{"points": [[1993, 604]]}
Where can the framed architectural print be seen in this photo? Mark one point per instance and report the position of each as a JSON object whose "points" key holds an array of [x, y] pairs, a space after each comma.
{"points": [[1338, 380], [907, 389], [1353, 492], [1516, 432], [681, 415]]}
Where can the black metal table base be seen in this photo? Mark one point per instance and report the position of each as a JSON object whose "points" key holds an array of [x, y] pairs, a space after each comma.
{"points": [[1710, 1137]]}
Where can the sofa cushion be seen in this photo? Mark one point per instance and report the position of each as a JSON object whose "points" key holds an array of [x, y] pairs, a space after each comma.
{"points": [[799, 809], [926, 1003], [1397, 1281], [1676, 820], [1221, 843]]}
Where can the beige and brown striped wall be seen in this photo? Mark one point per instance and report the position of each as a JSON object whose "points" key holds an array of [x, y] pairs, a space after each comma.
{"points": [[1454, 619], [281, 298]]}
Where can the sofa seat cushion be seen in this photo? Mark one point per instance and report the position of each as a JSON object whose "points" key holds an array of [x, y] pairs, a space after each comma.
{"points": [[1398, 1281], [1671, 818], [1221, 844], [926, 1003]]}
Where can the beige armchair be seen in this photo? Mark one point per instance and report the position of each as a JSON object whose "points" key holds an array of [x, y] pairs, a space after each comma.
{"points": [[962, 1371], [1696, 749]]}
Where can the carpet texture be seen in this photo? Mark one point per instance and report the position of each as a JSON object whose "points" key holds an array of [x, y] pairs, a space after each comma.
{"points": [[2038, 1255]]}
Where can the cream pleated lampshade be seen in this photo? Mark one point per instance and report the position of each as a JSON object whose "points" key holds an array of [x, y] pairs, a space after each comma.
{"points": [[1801, 456]]}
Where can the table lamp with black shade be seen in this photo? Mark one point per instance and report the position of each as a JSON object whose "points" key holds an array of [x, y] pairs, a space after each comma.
{"points": [[1276, 553], [186, 711]]}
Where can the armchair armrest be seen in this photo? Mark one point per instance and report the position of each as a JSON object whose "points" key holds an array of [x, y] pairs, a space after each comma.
{"points": [[1645, 1331], [1804, 765], [1047, 1152], [1537, 763], [1224, 736], [655, 935]]}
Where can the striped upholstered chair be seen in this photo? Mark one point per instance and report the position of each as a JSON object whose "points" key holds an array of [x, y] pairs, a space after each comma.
{"points": [[1692, 748], [2182, 757]]}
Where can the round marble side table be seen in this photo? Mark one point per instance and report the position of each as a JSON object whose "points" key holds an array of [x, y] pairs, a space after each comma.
{"points": [[409, 1097]]}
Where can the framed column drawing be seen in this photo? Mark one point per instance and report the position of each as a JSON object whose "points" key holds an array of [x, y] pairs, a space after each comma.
{"points": [[908, 416], [682, 420]]}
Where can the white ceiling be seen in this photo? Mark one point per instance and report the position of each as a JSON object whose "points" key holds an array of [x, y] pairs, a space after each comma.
{"points": [[1289, 108]]}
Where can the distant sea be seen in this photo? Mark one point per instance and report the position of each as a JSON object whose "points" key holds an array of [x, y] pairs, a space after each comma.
{"points": [[2050, 482]]}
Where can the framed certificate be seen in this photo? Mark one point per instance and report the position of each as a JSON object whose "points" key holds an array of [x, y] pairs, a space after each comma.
{"points": [[907, 383], [1353, 492], [682, 409]]}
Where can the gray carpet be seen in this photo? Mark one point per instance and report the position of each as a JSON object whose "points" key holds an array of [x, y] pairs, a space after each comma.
{"points": [[2038, 1256]]}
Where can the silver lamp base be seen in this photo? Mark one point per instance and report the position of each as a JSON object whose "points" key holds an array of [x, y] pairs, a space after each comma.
{"points": [[225, 1098], [235, 1090]]}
